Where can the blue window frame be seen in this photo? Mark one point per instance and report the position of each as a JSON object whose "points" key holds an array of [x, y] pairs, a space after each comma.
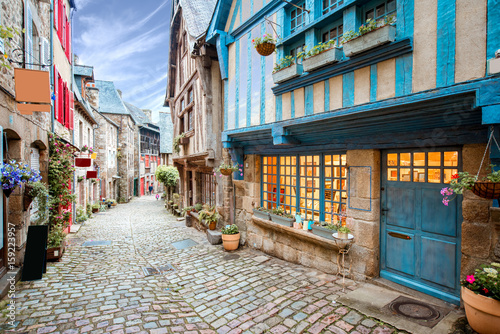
{"points": [[296, 48], [377, 10], [333, 33], [297, 17], [329, 5]]}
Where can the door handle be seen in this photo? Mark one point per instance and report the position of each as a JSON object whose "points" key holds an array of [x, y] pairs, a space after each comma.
{"points": [[399, 235], [385, 210]]}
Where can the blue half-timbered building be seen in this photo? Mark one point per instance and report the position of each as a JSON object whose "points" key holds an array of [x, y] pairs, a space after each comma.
{"points": [[376, 132]]}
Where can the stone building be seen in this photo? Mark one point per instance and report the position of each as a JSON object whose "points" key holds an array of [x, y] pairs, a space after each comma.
{"points": [[23, 133], [374, 129], [166, 138], [86, 189], [194, 97]]}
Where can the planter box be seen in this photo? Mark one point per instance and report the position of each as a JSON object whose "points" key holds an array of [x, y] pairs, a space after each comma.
{"points": [[91, 174], [55, 253], [287, 73], [184, 141], [282, 220], [261, 214], [383, 35], [322, 59], [323, 232]]}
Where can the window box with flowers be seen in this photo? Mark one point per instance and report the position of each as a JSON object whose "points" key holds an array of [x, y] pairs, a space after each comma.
{"points": [[279, 216], [370, 35], [321, 55], [286, 69]]}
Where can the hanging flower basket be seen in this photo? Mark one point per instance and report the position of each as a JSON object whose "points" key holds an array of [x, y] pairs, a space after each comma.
{"points": [[490, 190], [265, 49], [226, 171]]}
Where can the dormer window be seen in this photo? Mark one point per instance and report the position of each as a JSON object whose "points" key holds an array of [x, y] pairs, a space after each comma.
{"points": [[381, 10], [329, 5], [297, 18]]}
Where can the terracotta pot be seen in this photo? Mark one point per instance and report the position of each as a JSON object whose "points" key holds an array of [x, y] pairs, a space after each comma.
{"points": [[212, 226], [231, 241], [483, 313]]}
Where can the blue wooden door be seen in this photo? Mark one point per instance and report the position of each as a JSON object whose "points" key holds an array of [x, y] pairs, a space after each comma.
{"points": [[420, 237], [3, 226]]}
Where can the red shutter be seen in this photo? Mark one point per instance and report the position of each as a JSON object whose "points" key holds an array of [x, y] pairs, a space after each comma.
{"points": [[56, 93], [68, 41], [61, 100], [66, 106], [60, 18], [63, 32], [71, 109]]}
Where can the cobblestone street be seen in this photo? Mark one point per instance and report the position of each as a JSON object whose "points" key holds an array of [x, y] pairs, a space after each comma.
{"points": [[101, 289]]}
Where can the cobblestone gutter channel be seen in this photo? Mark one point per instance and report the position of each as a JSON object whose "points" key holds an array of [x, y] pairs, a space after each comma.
{"points": [[103, 289]]}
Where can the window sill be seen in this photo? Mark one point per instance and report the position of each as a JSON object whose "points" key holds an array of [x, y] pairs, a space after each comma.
{"points": [[296, 233]]}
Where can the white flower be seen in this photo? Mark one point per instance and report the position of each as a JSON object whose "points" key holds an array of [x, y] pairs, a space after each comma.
{"points": [[491, 271]]}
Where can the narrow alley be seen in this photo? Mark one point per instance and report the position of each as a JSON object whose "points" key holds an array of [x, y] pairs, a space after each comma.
{"points": [[100, 285]]}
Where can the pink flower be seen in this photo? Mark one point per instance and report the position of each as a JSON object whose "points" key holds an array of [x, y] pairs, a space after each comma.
{"points": [[241, 174], [446, 201], [220, 175], [471, 279], [67, 145], [57, 150], [240, 170]]}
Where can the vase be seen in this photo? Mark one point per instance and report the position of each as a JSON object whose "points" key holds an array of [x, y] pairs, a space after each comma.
{"points": [[231, 241], [483, 313], [342, 235]]}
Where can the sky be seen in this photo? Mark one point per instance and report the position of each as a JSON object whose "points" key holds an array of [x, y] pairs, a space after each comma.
{"points": [[127, 42]]}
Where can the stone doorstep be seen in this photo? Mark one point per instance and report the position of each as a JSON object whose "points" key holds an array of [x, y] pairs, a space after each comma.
{"points": [[5, 284], [214, 237]]}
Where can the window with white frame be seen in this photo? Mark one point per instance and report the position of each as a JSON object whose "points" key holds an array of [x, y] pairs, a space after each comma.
{"points": [[297, 16]]}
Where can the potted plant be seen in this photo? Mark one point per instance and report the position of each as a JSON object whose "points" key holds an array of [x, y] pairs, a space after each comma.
{"points": [[56, 242], [210, 216], [287, 68], [40, 193], [481, 296], [81, 214], [487, 187], [230, 237], [279, 216], [324, 229], [13, 174], [321, 55], [95, 208], [80, 179], [370, 35], [343, 232], [228, 169], [198, 207], [177, 142], [261, 213], [264, 45]]}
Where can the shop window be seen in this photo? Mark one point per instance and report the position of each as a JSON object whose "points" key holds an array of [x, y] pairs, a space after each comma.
{"points": [[430, 167], [312, 185], [379, 10], [297, 17], [334, 34], [329, 5]]}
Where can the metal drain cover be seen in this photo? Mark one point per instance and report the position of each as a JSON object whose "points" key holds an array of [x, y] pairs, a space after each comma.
{"points": [[416, 311], [186, 243], [96, 243], [231, 257], [148, 271]]}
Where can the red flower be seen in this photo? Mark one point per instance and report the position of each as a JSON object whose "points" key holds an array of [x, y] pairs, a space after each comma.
{"points": [[455, 176], [485, 290]]}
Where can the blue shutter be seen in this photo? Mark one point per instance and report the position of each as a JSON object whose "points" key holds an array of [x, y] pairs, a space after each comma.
{"points": [[28, 35], [1, 191]]}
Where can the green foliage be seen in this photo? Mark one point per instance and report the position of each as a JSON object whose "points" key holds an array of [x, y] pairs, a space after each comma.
{"points": [[80, 178], [485, 281], [177, 141], [320, 48], [230, 229], [89, 210], [283, 63], [198, 207], [280, 211], [186, 209], [40, 194], [209, 214], [81, 214], [264, 39], [344, 229], [96, 206], [369, 26], [6, 34], [168, 175], [56, 236]]}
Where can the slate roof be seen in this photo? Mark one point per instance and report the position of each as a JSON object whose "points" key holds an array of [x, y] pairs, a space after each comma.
{"points": [[166, 132], [197, 14], [84, 71], [137, 114], [110, 101], [84, 103]]}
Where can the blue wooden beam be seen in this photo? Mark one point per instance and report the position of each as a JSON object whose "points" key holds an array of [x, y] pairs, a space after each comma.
{"points": [[282, 137]]}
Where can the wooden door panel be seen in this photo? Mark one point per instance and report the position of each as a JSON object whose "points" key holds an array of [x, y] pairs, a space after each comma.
{"points": [[436, 217], [400, 205], [401, 256], [438, 262]]}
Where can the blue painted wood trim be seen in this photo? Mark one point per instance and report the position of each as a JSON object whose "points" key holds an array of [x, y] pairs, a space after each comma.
{"points": [[309, 100], [292, 103], [219, 19], [348, 89], [351, 19], [262, 84], [373, 83], [376, 55], [237, 10], [249, 80], [237, 83], [405, 16], [327, 95], [265, 11], [404, 71], [493, 28], [445, 74], [279, 108], [222, 55], [251, 8], [226, 92]]}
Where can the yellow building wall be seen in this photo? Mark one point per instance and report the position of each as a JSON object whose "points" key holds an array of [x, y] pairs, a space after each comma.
{"points": [[386, 79], [287, 106], [424, 45], [319, 97], [336, 88], [362, 85], [298, 95]]}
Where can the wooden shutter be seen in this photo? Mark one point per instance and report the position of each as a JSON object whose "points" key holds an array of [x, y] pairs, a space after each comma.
{"points": [[63, 31], [61, 100], [68, 41], [60, 19], [71, 109], [28, 36], [66, 106], [56, 15]]}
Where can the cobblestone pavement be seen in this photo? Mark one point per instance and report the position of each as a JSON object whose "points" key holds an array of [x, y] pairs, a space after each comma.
{"points": [[103, 289]]}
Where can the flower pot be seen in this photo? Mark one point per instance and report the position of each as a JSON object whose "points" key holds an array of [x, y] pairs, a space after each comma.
{"points": [[27, 198], [231, 241], [55, 253], [374, 38], [287, 73], [265, 49], [261, 214], [94, 210], [212, 225], [490, 190], [483, 313], [324, 58], [342, 235], [226, 171], [322, 232], [282, 220]]}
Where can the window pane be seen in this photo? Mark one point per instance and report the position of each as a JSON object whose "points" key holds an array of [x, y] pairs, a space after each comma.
{"points": [[419, 159], [370, 14], [391, 6], [326, 4], [293, 14], [404, 159], [434, 159], [434, 175], [419, 175], [333, 33], [380, 10], [392, 159], [404, 174], [392, 174], [341, 30], [448, 173], [450, 159]]}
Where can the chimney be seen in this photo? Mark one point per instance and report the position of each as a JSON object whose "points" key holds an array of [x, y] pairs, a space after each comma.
{"points": [[148, 113], [119, 93]]}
